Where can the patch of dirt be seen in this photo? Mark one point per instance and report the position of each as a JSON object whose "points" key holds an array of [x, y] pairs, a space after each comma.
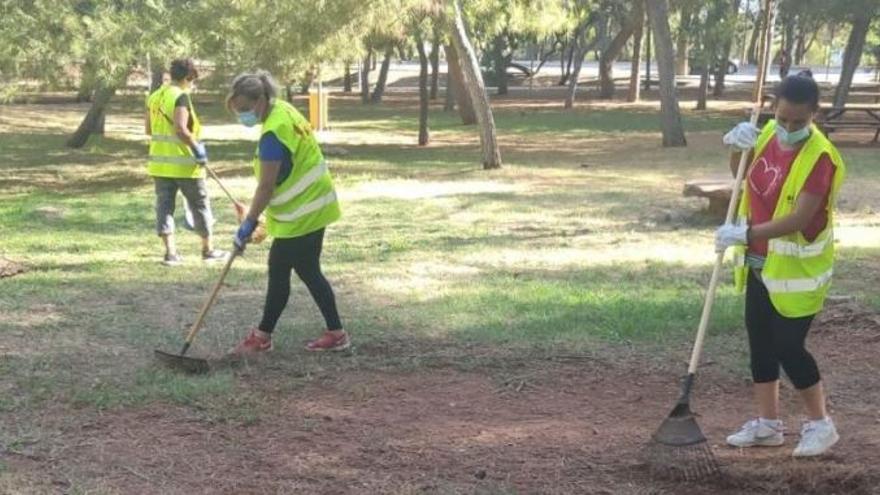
{"points": [[567, 426], [9, 268]]}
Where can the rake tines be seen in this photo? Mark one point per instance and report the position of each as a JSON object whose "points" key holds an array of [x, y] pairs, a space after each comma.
{"points": [[678, 449], [681, 463]]}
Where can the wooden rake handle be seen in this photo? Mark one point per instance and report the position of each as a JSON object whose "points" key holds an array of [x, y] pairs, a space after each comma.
{"points": [[222, 186], [194, 329], [734, 196]]}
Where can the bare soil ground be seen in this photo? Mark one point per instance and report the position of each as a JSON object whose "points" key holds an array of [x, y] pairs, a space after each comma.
{"points": [[575, 424], [9, 268]]}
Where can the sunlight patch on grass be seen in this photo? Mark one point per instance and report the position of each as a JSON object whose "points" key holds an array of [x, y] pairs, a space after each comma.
{"points": [[418, 190], [693, 252]]}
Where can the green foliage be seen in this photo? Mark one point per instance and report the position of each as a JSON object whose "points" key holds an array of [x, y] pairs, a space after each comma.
{"points": [[498, 27]]}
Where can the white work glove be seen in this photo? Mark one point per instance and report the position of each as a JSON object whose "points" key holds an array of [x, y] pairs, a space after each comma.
{"points": [[742, 137], [731, 234]]}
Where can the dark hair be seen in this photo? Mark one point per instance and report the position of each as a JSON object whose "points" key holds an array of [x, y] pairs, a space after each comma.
{"points": [[800, 88], [183, 68], [253, 86]]}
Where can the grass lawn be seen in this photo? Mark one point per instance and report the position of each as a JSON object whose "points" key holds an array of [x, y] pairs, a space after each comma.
{"points": [[581, 245]]}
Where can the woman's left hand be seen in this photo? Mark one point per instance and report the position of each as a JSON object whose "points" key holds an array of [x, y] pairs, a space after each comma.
{"points": [[731, 234]]}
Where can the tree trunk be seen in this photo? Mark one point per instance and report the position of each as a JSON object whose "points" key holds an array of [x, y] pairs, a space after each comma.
{"points": [[787, 45], [93, 122], [499, 63], [379, 90], [800, 45], [682, 44], [157, 73], [435, 63], [544, 57], [87, 82], [721, 69], [456, 83], [424, 95], [346, 78], [854, 46], [673, 132], [365, 79], [639, 14], [752, 55], [569, 59], [449, 101], [562, 56], [704, 85], [473, 82], [582, 51], [610, 54]]}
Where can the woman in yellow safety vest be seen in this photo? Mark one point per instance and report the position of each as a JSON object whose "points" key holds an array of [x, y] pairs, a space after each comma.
{"points": [[176, 160], [295, 190], [784, 254]]}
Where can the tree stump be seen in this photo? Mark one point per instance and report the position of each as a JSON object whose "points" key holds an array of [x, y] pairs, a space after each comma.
{"points": [[718, 191]]}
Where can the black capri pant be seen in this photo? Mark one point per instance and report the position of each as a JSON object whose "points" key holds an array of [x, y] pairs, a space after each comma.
{"points": [[303, 256], [775, 340]]}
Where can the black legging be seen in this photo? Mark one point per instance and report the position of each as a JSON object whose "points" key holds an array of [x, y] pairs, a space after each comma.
{"points": [[302, 255], [775, 340]]}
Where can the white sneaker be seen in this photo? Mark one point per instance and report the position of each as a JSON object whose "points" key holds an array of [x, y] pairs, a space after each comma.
{"points": [[759, 432], [816, 438]]}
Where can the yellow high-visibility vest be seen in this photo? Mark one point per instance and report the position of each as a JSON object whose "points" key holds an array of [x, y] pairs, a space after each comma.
{"points": [[797, 272], [306, 201], [169, 156]]}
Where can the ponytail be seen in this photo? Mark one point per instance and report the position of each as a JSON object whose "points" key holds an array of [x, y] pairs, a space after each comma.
{"points": [[252, 86]]}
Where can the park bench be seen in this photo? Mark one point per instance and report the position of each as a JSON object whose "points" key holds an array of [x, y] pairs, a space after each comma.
{"points": [[716, 189]]}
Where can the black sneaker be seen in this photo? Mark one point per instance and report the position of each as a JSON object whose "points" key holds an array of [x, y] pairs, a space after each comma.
{"points": [[172, 260], [215, 255]]}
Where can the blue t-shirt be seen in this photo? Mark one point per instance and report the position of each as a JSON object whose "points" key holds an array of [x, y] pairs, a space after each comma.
{"points": [[271, 149]]}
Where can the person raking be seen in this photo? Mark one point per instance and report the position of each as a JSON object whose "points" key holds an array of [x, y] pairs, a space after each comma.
{"points": [[295, 190], [785, 255]]}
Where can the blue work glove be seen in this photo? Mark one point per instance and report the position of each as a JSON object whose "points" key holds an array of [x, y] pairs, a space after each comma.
{"points": [[243, 236], [200, 153]]}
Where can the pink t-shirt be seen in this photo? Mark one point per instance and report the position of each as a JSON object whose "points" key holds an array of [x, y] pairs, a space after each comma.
{"points": [[765, 180]]}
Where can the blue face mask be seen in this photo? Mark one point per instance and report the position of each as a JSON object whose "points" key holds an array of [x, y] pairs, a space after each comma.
{"points": [[791, 138], [249, 118]]}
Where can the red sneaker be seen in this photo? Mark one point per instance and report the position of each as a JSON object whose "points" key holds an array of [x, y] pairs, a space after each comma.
{"points": [[330, 341], [252, 344]]}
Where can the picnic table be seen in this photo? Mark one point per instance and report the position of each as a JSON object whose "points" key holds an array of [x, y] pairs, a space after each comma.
{"points": [[866, 117], [849, 117]]}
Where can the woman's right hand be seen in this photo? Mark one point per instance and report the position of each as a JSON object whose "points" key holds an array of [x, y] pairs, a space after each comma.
{"points": [[742, 137]]}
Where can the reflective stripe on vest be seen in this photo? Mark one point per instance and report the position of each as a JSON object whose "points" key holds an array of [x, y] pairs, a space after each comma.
{"points": [[307, 208], [174, 160], [793, 249], [306, 181], [798, 284]]}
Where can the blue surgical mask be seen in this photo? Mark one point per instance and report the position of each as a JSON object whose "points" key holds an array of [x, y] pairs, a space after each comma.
{"points": [[791, 138], [249, 118]]}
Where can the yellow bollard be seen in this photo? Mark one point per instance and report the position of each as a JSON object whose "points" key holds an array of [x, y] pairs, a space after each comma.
{"points": [[318, 109]]}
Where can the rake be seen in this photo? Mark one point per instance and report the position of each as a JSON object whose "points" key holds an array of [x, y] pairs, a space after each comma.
{"points": [[678, 449], [186, 363]]}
